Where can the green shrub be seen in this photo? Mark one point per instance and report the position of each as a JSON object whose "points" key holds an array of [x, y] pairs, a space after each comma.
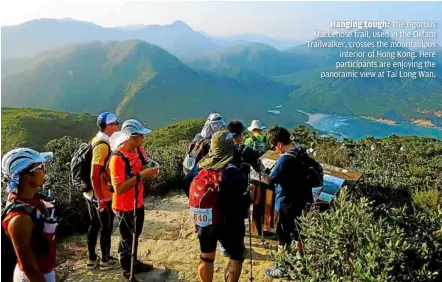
{"points": [[350, 243], [428, 200], [70, 204]]}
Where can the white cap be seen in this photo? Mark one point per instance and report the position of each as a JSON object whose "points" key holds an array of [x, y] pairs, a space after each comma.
{"points": [[214, 123], [17, 160], [129, 128], [256, 124]]}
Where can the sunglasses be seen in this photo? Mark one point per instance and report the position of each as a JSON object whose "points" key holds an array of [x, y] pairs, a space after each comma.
{"points": [[40, 166], [136, 134]]}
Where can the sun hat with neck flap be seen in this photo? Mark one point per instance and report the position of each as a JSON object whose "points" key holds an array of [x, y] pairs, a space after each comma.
{"points": [[220, 153]]}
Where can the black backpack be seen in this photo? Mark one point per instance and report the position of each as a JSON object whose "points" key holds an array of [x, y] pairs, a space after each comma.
{"points": [[310, 169], [81, 165], [9, 258], [128, 167]]}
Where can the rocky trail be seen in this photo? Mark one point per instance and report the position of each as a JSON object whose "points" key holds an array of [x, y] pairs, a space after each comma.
{"points": [[169, 243]]}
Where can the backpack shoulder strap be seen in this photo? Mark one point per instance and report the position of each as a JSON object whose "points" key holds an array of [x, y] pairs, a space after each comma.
{"points": [[127, 167], [141, 156], [17, 205]]}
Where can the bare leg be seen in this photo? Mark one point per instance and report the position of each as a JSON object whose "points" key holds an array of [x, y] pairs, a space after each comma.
{"points": [[205, 269], [233, 271]]}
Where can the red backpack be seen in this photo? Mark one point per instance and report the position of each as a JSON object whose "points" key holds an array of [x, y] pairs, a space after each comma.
{"points": [[203, 198]]}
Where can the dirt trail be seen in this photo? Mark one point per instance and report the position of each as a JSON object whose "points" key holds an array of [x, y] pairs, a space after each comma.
{"points": [[169, 243]]}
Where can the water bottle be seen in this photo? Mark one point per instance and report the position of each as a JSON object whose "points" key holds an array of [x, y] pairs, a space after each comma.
{"points": [[50, 226]]}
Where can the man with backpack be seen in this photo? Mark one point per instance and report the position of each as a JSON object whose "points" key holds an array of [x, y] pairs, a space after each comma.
{"points": [[28, 230], [257, 141], [94, 160], [199, 147], [296, 174], [244, 156], [127, 171], [219, 202]]}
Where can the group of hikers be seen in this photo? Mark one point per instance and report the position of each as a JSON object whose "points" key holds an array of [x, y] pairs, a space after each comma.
{"points": [[110, 172]]}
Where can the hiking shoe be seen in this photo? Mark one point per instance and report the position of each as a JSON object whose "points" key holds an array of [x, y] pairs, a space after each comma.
{"points": [[93, 264], [142, 267]]}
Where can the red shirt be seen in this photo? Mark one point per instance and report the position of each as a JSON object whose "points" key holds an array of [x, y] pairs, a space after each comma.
{"points": [[117, 167], [47, 262]]}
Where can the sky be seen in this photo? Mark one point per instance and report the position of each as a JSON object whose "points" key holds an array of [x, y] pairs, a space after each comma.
{"points": [[284, 20]]}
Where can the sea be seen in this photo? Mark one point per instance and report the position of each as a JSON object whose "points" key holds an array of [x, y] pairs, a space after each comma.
{"points": [[356, 128]]}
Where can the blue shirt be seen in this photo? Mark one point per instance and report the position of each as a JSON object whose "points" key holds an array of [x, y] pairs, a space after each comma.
{"points": [[287, 175]]}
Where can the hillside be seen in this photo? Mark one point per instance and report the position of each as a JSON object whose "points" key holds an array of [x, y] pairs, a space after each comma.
{"points": [[137, 80], [34, 128], [301, 67], [36, 36], [256, 58]]}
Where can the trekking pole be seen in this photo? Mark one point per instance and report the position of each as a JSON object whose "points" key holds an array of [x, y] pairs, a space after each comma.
{"points": [[250, 230], [264, 199], [134, 230]]}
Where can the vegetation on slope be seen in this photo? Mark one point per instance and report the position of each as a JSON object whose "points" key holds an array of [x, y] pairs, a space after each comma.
{"points": [[34, 128]]}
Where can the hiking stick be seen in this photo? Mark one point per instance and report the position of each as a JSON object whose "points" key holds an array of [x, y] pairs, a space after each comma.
{"points": [[264, 199], [250, 229], [134, 230]]}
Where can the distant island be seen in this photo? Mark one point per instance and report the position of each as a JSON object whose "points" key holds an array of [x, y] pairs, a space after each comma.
{"points": [[381, 120]]}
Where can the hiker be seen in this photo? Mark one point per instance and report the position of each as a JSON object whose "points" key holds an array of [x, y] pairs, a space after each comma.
{"points": [[294, 173], [257, 141], [244, 158], [220, 214], [126, 171], [199, 147], [99, 197], [26, 220]]}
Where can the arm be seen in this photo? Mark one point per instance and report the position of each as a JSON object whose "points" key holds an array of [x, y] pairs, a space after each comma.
{"points": [[96, 180], [117, 169], [275, 175], [20, 230], [99, 155]]}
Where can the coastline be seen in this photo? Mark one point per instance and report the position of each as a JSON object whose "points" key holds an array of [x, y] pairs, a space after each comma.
{"points": [[381, 120], [423, 123]]}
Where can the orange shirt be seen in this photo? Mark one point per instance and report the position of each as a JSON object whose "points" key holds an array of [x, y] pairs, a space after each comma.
{"points": [[125, 201], [99, 156]]}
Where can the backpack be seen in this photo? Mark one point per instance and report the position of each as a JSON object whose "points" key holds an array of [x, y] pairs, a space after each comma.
{"points": [[259, 146], [81, 165], [9, 257], [310, 169], [195, 153], [127, 166], [204, 198]]}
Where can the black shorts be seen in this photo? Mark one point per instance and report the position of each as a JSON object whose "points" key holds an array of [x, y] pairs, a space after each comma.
{"points": [[231, 237]]}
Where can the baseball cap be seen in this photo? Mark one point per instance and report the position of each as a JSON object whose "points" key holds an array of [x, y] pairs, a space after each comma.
{"points": [[106, 118]]}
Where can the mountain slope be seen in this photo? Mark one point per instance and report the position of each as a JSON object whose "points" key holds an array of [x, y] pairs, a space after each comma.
{"points": [[34, 128], [36, 36], [137, 80], [255, 58], [395, 98], [280, 44]]}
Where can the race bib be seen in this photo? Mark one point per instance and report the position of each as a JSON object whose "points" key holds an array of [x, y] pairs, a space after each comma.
{"points": [[202, 217], [189, 162]]}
